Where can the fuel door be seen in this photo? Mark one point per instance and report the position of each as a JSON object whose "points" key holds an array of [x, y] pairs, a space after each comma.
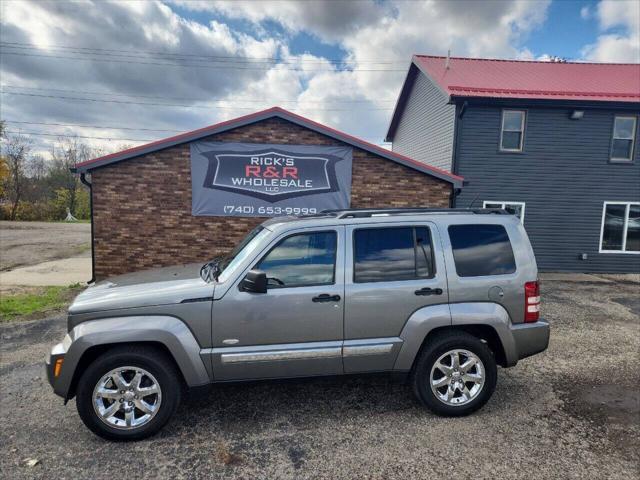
{"points": [[496, 294]]}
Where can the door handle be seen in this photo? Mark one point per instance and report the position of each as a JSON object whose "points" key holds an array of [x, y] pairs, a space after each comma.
{"points": [[428, 291], [325, 297]]}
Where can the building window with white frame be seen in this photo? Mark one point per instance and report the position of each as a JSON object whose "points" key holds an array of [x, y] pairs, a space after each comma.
{"points": [[515, 208], [512, 131], [624, 133], [620, 230]]}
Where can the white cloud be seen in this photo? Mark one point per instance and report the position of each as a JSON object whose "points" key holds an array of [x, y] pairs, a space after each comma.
{"points": [[619, 21], [327, 19], [379, 38], [386, 41], [130, 32], [612, 13], [489, 29], [585, 12]]}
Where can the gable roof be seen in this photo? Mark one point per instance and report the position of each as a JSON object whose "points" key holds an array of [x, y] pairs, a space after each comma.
{"points": [[274, 112], [520, 79]]}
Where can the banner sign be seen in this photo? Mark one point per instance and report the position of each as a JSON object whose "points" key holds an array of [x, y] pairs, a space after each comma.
{"points": [[264, 180]]}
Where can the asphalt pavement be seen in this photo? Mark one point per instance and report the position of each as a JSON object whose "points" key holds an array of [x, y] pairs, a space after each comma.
{"points": [[572, 412]]}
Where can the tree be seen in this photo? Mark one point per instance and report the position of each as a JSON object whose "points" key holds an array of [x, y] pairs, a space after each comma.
{"points": [[4, 168], [4, 176], [33, 187], [17, 148], [64, 155], [37, 167]]}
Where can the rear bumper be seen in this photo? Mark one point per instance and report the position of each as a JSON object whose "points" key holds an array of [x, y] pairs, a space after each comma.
{"points": [[518, 340], [529, 339]]}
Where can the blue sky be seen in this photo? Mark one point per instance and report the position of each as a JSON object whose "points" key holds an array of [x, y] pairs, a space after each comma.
{"points": [[160, 66], [565, 32], [299, 42]]}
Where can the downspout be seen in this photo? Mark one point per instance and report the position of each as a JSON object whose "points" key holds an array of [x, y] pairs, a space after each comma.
{"points": [[452, 198], [83, 179], [456, 139]]}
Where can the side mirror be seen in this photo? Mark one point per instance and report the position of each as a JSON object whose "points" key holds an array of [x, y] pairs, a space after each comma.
{"points": [[255, 281]]}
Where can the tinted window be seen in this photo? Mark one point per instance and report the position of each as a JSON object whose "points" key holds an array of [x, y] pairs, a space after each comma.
{"points": [[389, 254], [305, 259], [424, 256], [480, 250]]}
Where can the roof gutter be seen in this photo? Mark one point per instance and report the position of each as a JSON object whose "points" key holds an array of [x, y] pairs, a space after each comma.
{"points": [[545, 102], [276, 112], [401, 101]]}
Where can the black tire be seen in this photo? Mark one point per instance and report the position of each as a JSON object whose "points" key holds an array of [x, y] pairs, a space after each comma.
{"points": [[150, 359], [431, 352]]}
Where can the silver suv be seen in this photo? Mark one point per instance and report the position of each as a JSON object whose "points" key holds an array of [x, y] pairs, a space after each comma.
{"points": [[442, 296]]}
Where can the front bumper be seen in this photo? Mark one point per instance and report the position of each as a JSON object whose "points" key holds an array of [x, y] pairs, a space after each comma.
{"points": [[57, 353], [530, 338]]}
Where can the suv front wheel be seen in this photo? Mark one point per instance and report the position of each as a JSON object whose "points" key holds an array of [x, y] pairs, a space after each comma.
{"points": [[455, 374], [128, 393]]}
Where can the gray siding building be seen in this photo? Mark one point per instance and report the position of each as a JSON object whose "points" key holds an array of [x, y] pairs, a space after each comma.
{"points": [[425, 129], [555, 143]]}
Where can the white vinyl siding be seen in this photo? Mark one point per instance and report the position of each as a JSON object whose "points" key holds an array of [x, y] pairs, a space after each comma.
{"points": [[425, 129]]}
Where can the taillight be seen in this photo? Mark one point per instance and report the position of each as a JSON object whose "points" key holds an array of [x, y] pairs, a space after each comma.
{"points": [[531, 301]]}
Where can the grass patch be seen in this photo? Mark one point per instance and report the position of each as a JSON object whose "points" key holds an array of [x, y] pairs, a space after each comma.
{"points": [[83, 248], [25, 305], [80, 220]]}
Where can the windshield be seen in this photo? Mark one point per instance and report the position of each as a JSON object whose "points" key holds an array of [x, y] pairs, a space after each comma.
{"points": [[241, 252]]}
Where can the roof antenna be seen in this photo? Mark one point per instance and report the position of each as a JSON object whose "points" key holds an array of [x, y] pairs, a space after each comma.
{"points": [[474, 200], [446, 63]]}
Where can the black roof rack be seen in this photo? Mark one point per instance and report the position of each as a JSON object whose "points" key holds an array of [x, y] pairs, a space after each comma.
{"points": [[370, 212]]}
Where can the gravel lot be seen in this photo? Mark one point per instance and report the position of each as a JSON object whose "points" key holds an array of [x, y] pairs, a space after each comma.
{"points": [[572, 412], [30, 243]]}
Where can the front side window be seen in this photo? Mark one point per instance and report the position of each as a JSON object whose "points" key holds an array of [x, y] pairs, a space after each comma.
{"points": [[480, 250], [514, 208], [620, 227], [512, 134], [301, 260], [624, 132], [392, 254]]}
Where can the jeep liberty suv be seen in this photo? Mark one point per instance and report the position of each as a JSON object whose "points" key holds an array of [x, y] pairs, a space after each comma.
{"points": [[442, 296]]}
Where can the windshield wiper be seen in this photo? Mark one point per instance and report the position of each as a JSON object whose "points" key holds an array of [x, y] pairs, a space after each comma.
{"points": [[210, 270]]}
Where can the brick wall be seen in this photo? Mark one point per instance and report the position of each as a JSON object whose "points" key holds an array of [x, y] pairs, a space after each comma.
{"points": [[142, 207]]}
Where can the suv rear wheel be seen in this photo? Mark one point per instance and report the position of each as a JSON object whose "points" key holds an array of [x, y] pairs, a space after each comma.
{"points": [[455, 374], [129, 393]]}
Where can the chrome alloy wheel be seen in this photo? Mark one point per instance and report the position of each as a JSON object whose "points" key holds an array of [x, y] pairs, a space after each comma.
{"points": [[127, 398], [457, 377]]}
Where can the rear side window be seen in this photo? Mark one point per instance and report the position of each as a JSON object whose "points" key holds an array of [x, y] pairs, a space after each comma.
{"points": [[480, 250], [391, 254]]}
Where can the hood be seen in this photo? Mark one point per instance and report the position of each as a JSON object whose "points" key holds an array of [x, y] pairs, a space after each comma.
{"points": [[160, 286]]}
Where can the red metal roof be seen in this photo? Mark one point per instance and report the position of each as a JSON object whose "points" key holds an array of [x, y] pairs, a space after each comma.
{"points": [[193, 135], [477, 77]]}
